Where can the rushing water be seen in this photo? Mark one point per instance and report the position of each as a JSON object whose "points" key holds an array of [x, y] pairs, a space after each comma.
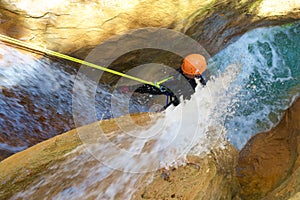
{"points": [[259, 79], [113, 167], [36, 99], [268, 82]]}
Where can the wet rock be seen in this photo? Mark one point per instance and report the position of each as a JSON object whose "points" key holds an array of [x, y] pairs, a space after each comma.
{"points": [[269, 164], [29, 166], [221, 23], [69, 26], [76, 27], [210, 177], [59, 165]]}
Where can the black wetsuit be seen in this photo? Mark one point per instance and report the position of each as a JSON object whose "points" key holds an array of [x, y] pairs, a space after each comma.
{"points": [[171, 89]]}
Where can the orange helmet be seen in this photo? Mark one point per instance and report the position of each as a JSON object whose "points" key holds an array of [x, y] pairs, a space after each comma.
{"points": [[193, 65]]}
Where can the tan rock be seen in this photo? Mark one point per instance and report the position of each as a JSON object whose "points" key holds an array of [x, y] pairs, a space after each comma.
{"points": [[295, 197], [67, 26], [24, 168], [75, 27], [221, 23], [277, 7], [52, 167], [210, 177], [269, 163]]}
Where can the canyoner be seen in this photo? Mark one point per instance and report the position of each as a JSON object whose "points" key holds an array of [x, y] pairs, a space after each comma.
{"points": [[193, 68]]}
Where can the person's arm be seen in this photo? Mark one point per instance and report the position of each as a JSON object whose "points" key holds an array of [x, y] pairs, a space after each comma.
{"points": [[201, 79], [141, 88], [150, 89]]}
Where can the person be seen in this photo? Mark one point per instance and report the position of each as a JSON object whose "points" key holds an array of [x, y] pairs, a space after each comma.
{"points": [[192, 68]]}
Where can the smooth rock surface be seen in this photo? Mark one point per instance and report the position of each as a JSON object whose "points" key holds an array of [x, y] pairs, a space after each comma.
{"points": [[51, 167], [210, 177], [68, 26], [75, 27], [269, 165], [222, 23]]}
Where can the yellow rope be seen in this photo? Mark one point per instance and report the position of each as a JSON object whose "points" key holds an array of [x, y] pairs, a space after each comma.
{"points": [[164, 80], [70, 58]]}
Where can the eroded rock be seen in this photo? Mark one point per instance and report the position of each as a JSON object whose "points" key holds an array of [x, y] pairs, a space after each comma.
{"points": [[56, 167], [77, 26], [222, 23], [68, 26], [210, 177], [25, 169], [269, 164]]}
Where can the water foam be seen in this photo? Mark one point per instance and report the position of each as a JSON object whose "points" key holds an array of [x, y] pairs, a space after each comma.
{"points": [[269, 79], [177, 132]]}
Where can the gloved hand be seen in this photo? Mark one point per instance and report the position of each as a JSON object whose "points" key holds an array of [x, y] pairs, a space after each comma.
{"points": [[201, 80], [173, 99], [166, 90]]}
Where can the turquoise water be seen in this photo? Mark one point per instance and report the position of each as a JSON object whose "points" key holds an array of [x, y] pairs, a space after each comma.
{"points": [[269, 81]]}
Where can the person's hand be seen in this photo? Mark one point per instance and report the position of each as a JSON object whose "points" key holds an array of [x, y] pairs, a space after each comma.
{"points": [[163, 89], [166, 90]]}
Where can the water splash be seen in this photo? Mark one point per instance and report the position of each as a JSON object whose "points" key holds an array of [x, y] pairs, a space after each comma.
{"points": [[269, 79], [36, 99], [115, 166]]}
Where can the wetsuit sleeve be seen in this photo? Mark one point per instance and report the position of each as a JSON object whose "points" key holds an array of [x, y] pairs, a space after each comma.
{"points": [[201, 79], [142, 88], [150, 89]]}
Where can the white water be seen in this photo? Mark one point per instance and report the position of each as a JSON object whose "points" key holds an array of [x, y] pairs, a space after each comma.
{"points": [[112, 170], [238, 104], [269, 79], [36, 99]]}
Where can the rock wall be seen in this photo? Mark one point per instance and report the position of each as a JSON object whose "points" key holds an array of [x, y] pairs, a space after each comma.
{"points": [[269, 165], [75, 27], [223, 22], [68, 26], [58, 164], [210, 177]]}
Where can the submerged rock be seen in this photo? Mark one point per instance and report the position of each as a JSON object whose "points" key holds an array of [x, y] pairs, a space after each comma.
{"points": [[269, 165]]}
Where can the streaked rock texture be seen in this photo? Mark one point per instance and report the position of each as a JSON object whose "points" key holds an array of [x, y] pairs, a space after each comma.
{"points": [[268, 165], [223, 22]]}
